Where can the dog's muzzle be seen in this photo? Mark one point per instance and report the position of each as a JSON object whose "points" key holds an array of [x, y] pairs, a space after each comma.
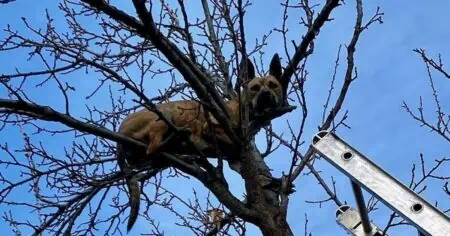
{"points": [[265, 101]]}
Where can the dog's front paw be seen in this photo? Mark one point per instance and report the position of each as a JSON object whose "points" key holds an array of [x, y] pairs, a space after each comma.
{"points": [[152, 147]]}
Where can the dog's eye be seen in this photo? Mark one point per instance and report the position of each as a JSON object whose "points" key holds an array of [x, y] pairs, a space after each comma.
{"points": [[255, 87], [272, 85]]}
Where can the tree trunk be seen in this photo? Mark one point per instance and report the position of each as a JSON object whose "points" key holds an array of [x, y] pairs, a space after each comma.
{"points": [[264, 191], [275, 224]]}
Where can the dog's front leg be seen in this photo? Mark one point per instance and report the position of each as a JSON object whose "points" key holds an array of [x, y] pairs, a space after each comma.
{"points": [[156, 134]]}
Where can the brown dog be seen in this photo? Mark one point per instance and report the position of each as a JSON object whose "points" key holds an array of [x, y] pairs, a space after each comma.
{"points": [[264, 93]]}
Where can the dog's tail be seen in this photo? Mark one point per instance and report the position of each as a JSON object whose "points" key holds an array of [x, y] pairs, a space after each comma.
{"points": [[133, 187], [135, 201]]}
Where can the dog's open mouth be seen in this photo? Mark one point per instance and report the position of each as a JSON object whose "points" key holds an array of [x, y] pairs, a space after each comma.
{"points": [[265, 104]]}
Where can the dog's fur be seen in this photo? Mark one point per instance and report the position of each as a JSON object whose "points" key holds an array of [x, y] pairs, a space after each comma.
{"points": [[264, 93]]}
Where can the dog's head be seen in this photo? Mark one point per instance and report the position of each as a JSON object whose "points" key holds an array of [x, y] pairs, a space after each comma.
{"points": [[265, 93]]}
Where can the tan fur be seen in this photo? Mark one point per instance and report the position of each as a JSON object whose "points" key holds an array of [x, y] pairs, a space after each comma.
{"points": [[135, 201], [145, 125], [264, 93]]}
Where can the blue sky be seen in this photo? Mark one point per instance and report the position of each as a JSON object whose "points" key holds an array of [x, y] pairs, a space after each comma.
{"points": [[389, 73]]}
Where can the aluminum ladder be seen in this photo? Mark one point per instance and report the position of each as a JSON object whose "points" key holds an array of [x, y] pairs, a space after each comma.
{"points": [[364, 173]]}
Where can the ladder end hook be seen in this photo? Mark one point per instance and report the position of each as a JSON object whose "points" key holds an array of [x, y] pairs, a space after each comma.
{"points": [[319, 136]]}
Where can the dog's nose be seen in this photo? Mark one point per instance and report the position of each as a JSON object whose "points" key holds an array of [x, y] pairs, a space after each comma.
{"points": [[265, 100]]}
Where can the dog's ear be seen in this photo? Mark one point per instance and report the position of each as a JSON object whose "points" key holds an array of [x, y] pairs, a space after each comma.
{"points": [[250, 69], [276, 71], [275, 67]]}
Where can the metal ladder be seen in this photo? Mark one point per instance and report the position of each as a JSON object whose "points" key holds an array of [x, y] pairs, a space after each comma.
{"points": [[364, 173]]}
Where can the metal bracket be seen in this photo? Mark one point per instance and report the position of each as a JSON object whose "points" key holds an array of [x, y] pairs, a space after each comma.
{"points": [[350, 219], [364, 173]]}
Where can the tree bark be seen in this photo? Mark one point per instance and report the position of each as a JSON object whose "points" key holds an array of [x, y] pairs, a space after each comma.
{"points": [[275, 226], [263, 192]]}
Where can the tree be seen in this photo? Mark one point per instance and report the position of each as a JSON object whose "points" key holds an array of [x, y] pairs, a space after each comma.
{"points": [[141, 53]]}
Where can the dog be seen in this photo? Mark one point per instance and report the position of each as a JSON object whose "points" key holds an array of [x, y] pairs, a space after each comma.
{"points": [[264, 94]]}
